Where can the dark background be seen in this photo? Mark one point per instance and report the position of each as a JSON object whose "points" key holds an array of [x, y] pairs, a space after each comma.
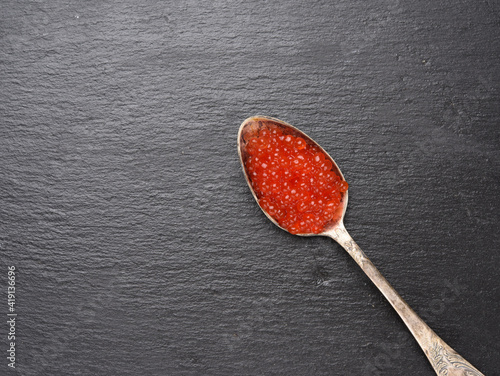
{"points": [[138, 246]]}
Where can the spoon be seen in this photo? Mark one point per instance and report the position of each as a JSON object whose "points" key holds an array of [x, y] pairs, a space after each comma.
{"points": [[444, 360]]}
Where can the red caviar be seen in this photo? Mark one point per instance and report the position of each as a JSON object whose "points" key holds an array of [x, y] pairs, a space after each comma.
{"points": [[293, 180]]}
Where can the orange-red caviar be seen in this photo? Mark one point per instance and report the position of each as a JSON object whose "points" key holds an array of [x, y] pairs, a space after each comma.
{"points": [[293, 180]]}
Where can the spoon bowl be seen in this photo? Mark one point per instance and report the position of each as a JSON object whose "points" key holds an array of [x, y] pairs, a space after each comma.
{"points": [[444, 360], [250, 128]]}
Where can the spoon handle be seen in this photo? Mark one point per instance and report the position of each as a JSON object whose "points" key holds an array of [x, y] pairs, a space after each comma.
{"points": [[444, 360]]}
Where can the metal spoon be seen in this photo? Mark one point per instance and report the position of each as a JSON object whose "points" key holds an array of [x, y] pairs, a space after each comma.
{"points": [[444, 360]]}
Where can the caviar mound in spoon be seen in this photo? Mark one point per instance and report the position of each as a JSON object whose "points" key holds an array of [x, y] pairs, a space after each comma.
{"points": [[300, 188], [296, 183]]}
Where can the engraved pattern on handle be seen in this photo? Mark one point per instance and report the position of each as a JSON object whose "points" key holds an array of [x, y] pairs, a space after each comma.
{"points": [[447, 362]]}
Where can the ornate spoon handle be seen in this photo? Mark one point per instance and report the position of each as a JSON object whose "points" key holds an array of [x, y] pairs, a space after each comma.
{"points": [[444, 360]]}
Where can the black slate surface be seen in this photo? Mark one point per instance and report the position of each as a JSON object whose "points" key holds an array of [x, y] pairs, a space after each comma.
{"points": [[137, 246]]}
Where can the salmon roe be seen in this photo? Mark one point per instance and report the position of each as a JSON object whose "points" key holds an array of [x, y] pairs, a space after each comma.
{"points": [[293, 180]]}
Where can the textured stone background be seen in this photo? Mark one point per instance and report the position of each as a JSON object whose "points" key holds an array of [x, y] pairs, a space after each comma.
{"points": [[139, 248]]}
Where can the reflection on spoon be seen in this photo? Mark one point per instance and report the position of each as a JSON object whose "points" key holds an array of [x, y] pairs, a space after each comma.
{"points": [[301, 189]]}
